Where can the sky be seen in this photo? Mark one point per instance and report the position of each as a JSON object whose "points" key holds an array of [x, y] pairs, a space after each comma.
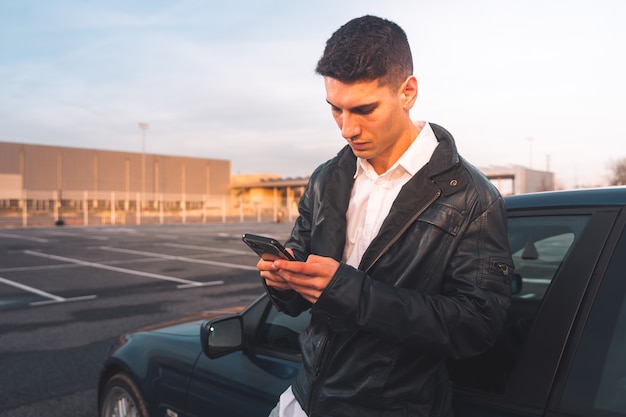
{"points": [[537, 83]]}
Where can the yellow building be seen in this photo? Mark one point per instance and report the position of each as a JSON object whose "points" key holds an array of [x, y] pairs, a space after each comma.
{"points": [[264, 195]]}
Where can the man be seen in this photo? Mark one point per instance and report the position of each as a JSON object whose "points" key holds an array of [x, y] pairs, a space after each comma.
{"points": [[401, 244]]}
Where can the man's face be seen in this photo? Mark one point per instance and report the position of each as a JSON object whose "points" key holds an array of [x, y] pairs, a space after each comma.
{"points": [[373, 119]]}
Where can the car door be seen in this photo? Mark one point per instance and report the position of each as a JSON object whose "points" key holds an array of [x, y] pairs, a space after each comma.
{"points": [[592, 379], [556, 253], [248, 382]]}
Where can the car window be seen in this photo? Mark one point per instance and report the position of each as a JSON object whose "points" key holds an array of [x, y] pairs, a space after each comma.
{"points": [[539, 245], [279, 332], [597, 382]]}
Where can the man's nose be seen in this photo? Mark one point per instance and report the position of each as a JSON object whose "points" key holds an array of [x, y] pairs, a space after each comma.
{"points": [[350, 127]]}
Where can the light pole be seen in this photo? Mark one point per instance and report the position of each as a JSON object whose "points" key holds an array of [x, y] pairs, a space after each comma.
{"points": [[530, 152], [143, 126]]}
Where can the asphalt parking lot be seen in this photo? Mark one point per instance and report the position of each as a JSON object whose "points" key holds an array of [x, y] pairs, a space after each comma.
{"points": [[67, 292]]}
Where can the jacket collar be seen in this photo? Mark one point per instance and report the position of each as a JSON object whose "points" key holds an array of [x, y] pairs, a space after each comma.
{"points": [[443, 173], [443, 168]]}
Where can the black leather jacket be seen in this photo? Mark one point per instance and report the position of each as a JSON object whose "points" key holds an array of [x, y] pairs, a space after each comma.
{"points": [[434, 284]]}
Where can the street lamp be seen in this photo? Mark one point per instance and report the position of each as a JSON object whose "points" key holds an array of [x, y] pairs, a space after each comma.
{"points": [[143, 126], [530, 152]]}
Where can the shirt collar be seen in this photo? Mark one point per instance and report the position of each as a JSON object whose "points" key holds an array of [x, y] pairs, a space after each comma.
{"points": [[412, 160]]}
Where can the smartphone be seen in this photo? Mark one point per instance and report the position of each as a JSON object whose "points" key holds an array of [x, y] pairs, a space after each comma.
{"points": [[266, 247]]}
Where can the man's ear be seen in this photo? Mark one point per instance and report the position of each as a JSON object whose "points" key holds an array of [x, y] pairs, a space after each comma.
{"points": [[409, 92]]}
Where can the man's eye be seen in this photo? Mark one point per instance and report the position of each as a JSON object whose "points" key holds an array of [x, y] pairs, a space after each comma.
{"points": [[365, 110]]}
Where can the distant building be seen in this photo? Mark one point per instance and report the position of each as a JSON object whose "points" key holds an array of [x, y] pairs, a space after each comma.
{"points": [[520, 180], [268, 193], [68, 173]]}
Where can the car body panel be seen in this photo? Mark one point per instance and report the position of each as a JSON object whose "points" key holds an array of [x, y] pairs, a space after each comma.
{"points": [[592, 197], [222, 390], [160, 359]]}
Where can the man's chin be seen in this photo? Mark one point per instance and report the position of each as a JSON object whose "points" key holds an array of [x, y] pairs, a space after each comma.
{"points": [[360, 151]]}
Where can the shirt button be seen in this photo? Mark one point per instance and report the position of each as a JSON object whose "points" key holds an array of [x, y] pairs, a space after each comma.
{"points": [[453, 183]]}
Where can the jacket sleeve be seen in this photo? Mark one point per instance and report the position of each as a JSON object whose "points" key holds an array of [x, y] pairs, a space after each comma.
{"points": [[463, 320]]}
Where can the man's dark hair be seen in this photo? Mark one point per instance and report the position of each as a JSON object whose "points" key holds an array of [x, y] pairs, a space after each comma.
{"points": [[367, 48]]}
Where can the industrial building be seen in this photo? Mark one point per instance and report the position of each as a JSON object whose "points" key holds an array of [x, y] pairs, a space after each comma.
{"points": [[517, 179], [39, 178]]}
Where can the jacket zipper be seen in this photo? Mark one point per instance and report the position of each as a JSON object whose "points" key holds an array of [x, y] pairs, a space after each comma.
{"points": [[406, 226], [318, 372], [504, 268]]}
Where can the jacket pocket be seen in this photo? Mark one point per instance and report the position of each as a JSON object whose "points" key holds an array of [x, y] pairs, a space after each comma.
{"points": [[445, 217]]}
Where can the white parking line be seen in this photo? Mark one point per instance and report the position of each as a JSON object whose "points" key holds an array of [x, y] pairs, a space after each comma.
{"points": [[38, 268], [184, 282], [31, 289], [179, 258], [75, 235], [65, 300], [34, 239], [208, 249], [66, 266], [51, 297]]}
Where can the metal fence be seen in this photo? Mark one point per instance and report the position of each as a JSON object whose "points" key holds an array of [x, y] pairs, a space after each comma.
{"points": [[45, 208]]}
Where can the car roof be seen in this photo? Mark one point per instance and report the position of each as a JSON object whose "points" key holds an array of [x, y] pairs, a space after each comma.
{"points": [[607, 196]]}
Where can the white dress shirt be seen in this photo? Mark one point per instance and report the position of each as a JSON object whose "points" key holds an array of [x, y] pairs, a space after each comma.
{"points": [[373, 194]]}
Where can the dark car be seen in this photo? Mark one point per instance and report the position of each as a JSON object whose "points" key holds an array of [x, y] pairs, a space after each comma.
{"points": [[562, 351]]}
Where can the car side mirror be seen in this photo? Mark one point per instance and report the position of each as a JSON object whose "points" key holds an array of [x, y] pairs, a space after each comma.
{"points": [[221, 336]]}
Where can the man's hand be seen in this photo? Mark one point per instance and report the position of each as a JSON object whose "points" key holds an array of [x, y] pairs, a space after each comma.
{"points": [[309, 278]]}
